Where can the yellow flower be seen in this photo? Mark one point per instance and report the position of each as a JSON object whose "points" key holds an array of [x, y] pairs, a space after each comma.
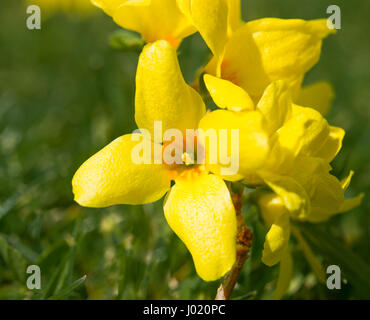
{"points": [[297, 170], [323, 196], [50, 6], [198, 207], [294, 131], [153, 19], [266, 50], [254, 54]]}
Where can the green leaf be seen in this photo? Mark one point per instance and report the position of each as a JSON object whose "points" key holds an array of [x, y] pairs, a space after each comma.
{"points": [[66, 292], [51, 287], [13, 259], [355, 269], [8, 205], [312, 260]]}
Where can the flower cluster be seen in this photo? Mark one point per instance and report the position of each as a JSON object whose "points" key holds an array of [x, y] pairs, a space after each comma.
{"points": [[255, 78]]}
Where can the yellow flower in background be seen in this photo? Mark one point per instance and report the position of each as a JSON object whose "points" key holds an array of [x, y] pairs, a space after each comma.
{"points": [[254, 54], [198, 207], [266, 50], [153, 19], [73, 6], [325, 198], [312, 184]]}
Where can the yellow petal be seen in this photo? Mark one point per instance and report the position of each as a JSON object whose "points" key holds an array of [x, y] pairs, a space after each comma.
{"points": [[271, 207], [349, 204], [285, 275], [318, 96], [252, 150], [235, 17], [161, 92], [347, 180], [108, 6], [227, 95], [277, 240], [154, 19], [201, 213], [210, 17], [305, 133], [332, 144], [292, 193], [111, 177], [276, 105], [325, 190], [272, 49]]}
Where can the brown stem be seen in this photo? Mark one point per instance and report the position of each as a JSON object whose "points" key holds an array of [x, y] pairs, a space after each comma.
{"points": [[243, 244]]}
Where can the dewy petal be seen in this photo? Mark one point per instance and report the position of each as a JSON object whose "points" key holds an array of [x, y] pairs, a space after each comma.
{"points": [[162, 93], [153, 19], [227, 95], [272, 49], [277, 240], [318, 96], [253, 147], [276, 105], [201, 213], [111, 177]]}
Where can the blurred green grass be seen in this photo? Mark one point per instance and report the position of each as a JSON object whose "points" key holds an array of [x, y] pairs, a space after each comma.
{"points": [[64, 94]]}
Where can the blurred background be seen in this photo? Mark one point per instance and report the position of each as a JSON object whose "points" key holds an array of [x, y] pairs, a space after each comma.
{"points": [[65, 93]]}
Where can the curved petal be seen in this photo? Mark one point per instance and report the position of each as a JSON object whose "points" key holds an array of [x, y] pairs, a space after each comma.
{"points": [[305, 133], [201, 213], [271, 207], [112, 177], [291, 192], [248, 151], [161, 92], [109, 6], [332, 145], [277, 240], [153, 19], [318, 95], [235, 16], [351, 203], [325, 190], [272, 49], [210, 17], [347, 180], [227, 95], [276, 105]]}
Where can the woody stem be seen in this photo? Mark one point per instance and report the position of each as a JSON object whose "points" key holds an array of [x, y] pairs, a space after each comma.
{"points": [[243, 245]]}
